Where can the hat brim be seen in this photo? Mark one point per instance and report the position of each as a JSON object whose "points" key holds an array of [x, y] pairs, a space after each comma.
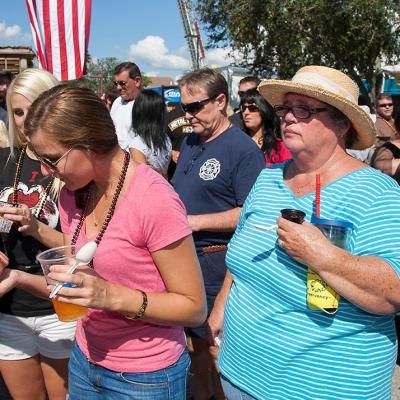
{"points": [[275, 90]]}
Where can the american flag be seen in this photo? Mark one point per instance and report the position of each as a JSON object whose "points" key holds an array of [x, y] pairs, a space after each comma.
{"points": [[60, 30]]}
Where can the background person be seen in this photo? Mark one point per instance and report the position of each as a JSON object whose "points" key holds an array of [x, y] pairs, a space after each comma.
{"points": [[138, 295], [149, 142], [263, 126], [109, 96], [6, 78], [34, 344], [245, 84], [273, 345], [385, 124], [128, 82], [217, 166]]}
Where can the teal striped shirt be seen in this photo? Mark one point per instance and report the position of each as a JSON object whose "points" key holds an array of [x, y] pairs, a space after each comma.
{"points": [[273, 346]]}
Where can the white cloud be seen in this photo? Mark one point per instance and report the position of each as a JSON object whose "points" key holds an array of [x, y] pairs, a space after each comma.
{"points": [[153, 51], [220, 57], [12, 35], [7, 31]]}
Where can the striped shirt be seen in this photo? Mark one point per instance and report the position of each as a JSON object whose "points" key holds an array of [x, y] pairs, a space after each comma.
{"points": [[273, 346]]}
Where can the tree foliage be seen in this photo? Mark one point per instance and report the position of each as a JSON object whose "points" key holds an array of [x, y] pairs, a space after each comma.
{"points": [[277, 37], [100, 74]]}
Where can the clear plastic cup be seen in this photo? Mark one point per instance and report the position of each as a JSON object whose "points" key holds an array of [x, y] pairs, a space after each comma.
{"points": [[320, 296], [63, 255]]}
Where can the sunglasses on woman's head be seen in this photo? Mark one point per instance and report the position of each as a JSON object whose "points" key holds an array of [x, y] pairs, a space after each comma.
{"points": [[251, 107]]}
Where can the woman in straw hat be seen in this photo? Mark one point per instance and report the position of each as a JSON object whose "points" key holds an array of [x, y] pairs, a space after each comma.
{"points": [[276, 343]]}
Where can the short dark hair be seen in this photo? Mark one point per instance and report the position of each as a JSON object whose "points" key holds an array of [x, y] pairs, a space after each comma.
{"points": [[7, 75], [382, 96], [131, 67], [249, 79], [210, 80]]}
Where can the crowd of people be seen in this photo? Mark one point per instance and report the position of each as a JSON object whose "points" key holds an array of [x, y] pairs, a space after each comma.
{"points": [[199, 288]]}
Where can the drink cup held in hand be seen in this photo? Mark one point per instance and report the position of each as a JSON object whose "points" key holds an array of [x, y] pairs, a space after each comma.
{"points": [[293, 215], [63, 255], [5, 224], [319, 295]]}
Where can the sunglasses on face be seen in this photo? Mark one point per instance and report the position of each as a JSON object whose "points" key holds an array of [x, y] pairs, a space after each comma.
{"points": [[120, 83], [301, 112], [385, 105], [251, 107], [50, 163], [196, 106]]}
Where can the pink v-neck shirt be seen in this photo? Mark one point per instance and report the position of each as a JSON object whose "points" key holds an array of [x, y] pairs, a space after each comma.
{"points": [[149, 217]]}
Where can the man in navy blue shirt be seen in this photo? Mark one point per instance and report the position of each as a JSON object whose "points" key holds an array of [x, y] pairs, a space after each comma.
{"points": [[217, 166]]}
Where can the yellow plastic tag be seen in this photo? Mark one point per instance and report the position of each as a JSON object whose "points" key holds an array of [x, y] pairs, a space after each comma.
{"points": [[319, 295]]}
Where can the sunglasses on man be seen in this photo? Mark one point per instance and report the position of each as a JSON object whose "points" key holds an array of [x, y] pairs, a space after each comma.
{"points": [[196, 106], [120, 83], [385, 105]]}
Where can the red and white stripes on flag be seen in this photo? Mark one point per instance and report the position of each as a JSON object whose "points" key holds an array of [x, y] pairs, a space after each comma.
{"points": [[60, 30]]}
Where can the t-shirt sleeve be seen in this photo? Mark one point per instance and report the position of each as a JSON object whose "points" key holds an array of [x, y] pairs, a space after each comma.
{"points": [[247, 171], [163, 216], [66, 203], [136, 142], [379, 233]]}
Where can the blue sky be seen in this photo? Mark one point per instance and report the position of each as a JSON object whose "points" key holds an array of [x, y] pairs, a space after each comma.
{"points": [[148, 32]]}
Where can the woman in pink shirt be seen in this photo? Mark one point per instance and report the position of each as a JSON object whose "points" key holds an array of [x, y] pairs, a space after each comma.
{"points": [[144, 283], [261, 123]]}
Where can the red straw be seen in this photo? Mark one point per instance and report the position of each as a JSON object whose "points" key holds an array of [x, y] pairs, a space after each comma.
{"points": [[318, 195]]}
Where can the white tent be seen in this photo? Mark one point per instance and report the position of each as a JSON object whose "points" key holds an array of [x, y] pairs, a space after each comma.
{"points": [[393, 70]]}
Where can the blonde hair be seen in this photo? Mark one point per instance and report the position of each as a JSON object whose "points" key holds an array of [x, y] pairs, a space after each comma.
{"points": [[30, 83], [3, 135]]}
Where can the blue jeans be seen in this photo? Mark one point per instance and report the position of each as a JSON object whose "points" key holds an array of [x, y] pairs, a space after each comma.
{"points": [[89, 381], [232, 392]]}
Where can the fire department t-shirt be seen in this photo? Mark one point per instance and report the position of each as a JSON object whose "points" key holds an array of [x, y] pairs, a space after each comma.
{"points": [[216, 176]]}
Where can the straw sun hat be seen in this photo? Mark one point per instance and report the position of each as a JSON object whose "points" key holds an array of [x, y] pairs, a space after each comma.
{"points": [[331, 87]]}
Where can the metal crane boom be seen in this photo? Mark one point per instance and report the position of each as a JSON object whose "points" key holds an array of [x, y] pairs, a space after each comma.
{"points": [[192, 35]]}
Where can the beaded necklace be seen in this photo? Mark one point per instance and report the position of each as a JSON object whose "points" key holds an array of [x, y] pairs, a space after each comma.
{"points": [[43, 196], [111, 210]]}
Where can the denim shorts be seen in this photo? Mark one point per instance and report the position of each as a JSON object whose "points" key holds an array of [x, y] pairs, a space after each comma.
{"points": [[88, 381], [232, 392], [213, 268]]}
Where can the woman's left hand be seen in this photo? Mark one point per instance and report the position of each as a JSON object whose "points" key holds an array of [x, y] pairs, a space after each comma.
{"points": [[303, 242], [22, 216], [90, 291]]}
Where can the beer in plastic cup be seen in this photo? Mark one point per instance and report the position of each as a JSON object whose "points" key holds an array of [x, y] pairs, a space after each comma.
{"points": [[63, 255], [319, 295]]}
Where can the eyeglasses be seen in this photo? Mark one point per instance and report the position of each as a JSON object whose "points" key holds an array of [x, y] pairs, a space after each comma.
{"points": [[302, 112], [194, 158], [385, 105], [49, 163], [251, 107], [120, 83], [196, 106]]}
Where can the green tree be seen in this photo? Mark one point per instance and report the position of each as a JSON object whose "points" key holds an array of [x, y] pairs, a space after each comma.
{"points": [[100, 74], [277, 37]]}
